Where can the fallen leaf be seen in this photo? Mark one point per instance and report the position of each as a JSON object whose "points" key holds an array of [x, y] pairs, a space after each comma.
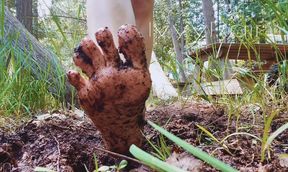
{"points": [[184, 161]]}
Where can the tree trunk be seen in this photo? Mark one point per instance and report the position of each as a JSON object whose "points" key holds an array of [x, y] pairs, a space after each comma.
{"points": [[210, 29], [24, 13], [182, 42], [35, 25], [227, 11], [177, 48], [40, 61], [182, 38], [211, 37]]}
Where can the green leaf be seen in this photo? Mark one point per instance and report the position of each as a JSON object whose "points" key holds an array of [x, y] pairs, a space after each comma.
{"points": [[152, 161], [95, 161], [195, 151], [267, 125], [122, 164], [275, 134]]}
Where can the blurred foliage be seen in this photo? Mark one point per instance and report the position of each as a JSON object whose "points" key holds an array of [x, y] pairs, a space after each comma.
{"points": [[245, 21], [20, 93], [61, 27], [252, 20], [163, 46], [64, 26]]}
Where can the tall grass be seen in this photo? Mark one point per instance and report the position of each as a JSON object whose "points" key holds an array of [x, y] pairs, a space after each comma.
{"points": [[246, 31], [2, 15], [25, 87], [20, 92]]}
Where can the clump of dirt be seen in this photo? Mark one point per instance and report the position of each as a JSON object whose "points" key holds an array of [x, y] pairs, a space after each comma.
{"points": [[59, 142], [67, 142]]}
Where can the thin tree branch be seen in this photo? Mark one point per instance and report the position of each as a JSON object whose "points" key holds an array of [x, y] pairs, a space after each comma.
{"points": [[119, 155]]}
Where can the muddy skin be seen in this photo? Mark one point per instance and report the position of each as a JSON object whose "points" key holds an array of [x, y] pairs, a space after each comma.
{"points": [[114, 95]]}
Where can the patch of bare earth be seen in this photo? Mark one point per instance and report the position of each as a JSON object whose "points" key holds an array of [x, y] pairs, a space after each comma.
{"points": [[67, 142]]}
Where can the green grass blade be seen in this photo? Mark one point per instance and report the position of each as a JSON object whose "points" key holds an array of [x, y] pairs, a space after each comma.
{"points": [[2, 18], [283, 30], [158, 153], [96, 162], [267, 125], [42, 169], [152, 161], [58, 24], [240, 133], [195, 151], [86, 169], [275, 134], [164, 148], [208, 133], [283, 155]]}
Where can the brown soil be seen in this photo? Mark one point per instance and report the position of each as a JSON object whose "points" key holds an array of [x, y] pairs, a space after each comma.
{"points": [[67, 142]]}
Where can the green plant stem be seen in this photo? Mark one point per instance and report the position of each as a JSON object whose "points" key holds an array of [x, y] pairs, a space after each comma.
{"points": [[152, 161], [195, 151]]}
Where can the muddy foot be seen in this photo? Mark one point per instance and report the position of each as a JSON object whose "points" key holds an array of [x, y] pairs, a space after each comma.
{"points": [[114, 95]]}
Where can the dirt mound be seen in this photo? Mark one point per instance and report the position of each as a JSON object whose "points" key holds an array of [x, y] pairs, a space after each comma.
{"points": [[67, 142], [59, 142], [240, 151]]}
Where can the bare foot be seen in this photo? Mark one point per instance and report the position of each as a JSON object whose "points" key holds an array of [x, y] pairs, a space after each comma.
{"points": [[114, 95]]}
